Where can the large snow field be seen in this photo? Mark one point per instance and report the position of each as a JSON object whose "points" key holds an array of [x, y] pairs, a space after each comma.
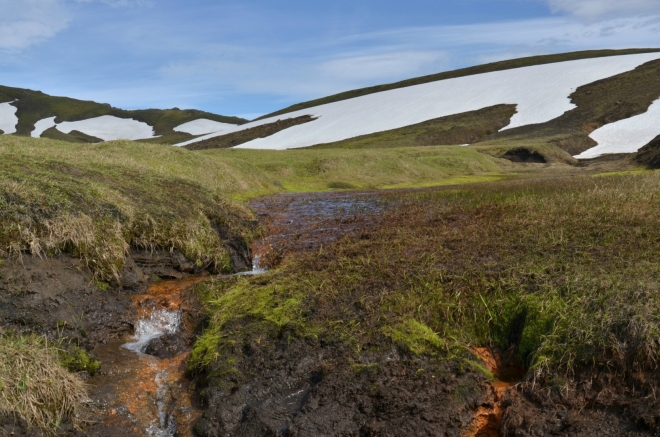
{"points": [[109, 128], [203, 126], [540, 92], [8, 119], [42, 126], [626, 136]]}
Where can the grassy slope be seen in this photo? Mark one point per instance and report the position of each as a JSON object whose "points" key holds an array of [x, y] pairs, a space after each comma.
{"points": [[35, 105], [496, 66], [564, 271], [321, 170], [94, 200]]}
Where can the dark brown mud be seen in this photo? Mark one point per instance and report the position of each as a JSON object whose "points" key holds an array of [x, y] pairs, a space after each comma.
{"points": [[134, 393], [292, 386], [311, 387]]}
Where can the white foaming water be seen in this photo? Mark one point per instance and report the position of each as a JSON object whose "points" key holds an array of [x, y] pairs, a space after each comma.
{"points": [[166, 426], [257, 269], [160, 322]]}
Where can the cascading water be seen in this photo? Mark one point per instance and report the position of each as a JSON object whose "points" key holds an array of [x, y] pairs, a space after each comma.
{"points": [[157, 324], [257, 268], [143, 390]]}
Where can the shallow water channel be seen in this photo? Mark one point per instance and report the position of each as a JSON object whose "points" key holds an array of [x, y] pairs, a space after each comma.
{"points": [[141, 394]]}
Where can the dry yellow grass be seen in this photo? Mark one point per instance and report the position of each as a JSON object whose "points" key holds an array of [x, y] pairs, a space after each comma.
{"points": [[34, 387]]}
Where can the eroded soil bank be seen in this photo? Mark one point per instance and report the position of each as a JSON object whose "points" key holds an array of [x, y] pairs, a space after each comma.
{"points": [[141, 333]]}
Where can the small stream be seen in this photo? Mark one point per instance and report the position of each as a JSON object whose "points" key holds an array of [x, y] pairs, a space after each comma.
{"points": [[142, 389]]}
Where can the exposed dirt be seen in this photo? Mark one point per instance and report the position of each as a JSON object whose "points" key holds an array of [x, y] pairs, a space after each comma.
{"points": [[309, 388], [488, 416], [243, 136], [649, 155], [521, 154], [143, 390], [291, 386], [304, 387], [58, 298]]}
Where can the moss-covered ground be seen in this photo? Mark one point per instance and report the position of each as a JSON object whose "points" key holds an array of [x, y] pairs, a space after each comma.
{"points": [[561, 272]]}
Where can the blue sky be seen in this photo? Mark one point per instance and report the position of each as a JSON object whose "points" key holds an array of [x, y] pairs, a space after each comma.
{"points": [[251, 57]]}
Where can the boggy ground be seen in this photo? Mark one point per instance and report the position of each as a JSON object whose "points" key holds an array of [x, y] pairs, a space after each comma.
{"points": [[374, 333]]}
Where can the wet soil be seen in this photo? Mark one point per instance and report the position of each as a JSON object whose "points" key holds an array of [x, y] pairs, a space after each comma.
{"points": [[304, 387], [137, 393], [291, 387], [134, 393], [298, 223]]}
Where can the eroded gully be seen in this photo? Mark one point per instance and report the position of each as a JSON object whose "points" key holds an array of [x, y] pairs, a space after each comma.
{"points": [[143, 389]]}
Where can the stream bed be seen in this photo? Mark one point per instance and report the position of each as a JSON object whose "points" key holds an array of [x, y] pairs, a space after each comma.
{"points": [[143, 390]]}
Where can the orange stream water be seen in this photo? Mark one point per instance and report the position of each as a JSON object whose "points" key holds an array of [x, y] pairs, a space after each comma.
{"points": [[132, 385]]}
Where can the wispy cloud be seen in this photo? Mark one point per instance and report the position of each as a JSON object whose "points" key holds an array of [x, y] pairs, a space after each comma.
{"points": [[592, 10], [316, 68], [26, 23]]}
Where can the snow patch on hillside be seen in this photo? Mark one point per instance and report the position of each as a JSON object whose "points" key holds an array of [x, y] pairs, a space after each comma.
{"points": [[541, 94], [203, 126], [626, 136], [42, 126], [109, 128], [8, 119]]}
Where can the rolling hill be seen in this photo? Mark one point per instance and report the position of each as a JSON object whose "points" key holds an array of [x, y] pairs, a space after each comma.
{"points": [[586, 104], [33, 113]]}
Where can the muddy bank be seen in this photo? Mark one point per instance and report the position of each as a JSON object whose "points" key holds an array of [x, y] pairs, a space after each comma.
{"points": [[305, 388], [284, 385], [279, 384], [58, 298]]}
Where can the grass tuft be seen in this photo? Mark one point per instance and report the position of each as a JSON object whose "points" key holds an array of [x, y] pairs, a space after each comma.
{"points": [[34, 386]]}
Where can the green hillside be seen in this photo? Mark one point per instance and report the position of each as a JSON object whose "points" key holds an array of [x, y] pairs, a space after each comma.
{"points": [[35, 105]]}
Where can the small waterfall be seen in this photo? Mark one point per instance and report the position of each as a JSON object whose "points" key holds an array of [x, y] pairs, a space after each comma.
{"points": [[159, 323], [257, 269]]}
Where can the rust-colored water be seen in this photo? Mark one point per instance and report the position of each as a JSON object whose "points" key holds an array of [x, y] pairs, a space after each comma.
{"points": [[142, 395], [488, 417]]}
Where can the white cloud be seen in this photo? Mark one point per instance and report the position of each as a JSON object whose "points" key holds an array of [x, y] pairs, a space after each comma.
{"points": [[311, 69], [24, 23], [592, 10], [120, 3], [382, 66]]}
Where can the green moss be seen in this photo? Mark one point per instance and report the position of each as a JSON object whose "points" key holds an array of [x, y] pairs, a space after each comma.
{"points": [[78, 359], [103, 286], [561, 271], [418, 337]]}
